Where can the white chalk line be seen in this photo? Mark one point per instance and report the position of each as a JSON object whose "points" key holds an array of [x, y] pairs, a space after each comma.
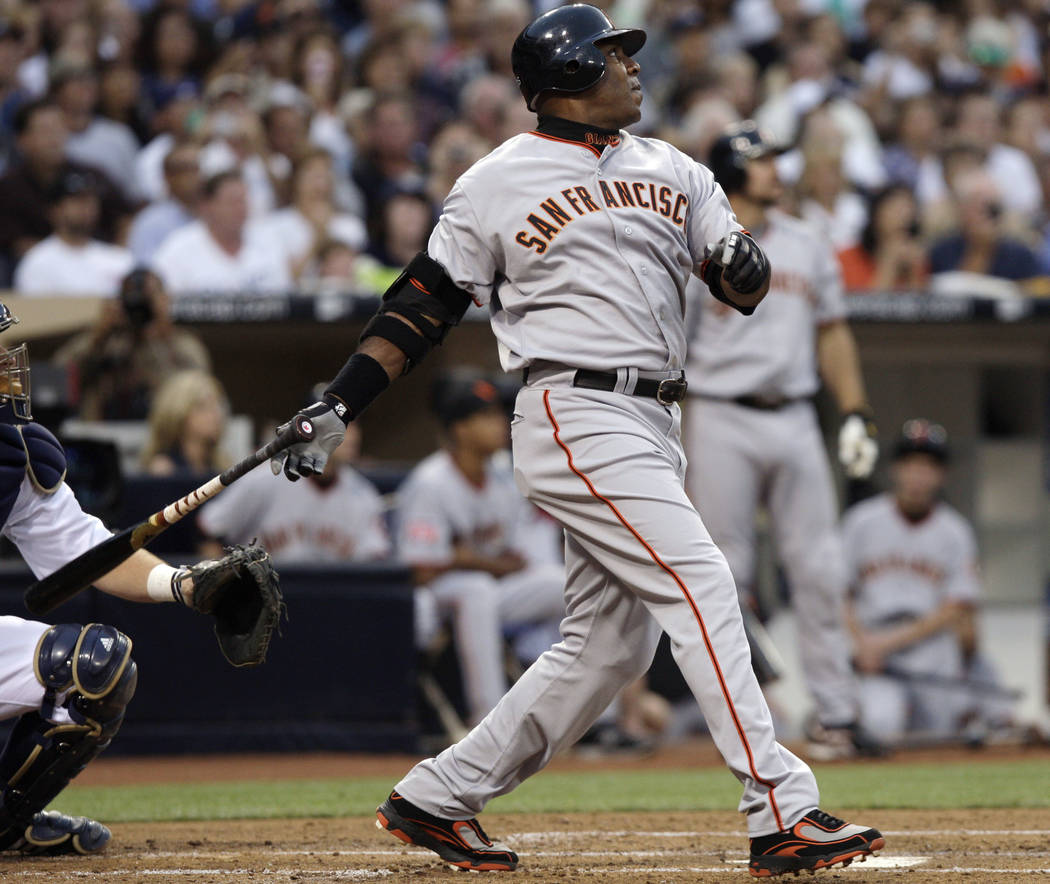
{"points": [[599, 833]]}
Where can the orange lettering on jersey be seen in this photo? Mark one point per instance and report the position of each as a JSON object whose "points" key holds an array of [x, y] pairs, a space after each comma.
{"points": [[530, 242], [548, 230], [680, 204], [607, 195], [623, 190], [789, 282], [930, 571], [571, 200], [556, 212], [638, 187], [585, 197], [665, 201]]}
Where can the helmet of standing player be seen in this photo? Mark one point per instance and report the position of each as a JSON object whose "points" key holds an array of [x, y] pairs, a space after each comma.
{"points": [[735, 157], [14, 375]]}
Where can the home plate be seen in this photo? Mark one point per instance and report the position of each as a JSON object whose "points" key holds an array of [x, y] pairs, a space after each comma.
{"points": [[885, 862]]}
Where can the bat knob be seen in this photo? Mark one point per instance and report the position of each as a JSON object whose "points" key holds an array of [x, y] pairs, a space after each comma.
{"points": [[304, 428]]}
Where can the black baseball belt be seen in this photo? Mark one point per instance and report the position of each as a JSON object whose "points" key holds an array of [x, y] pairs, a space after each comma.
{"points": [[666, 391]]}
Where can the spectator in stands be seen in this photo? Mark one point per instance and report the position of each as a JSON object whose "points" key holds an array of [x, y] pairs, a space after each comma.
{"points": [[339, 268], [913, 568], [980, 122], [980, 244], [827, 201], [461, 526], [286, 123], [118, 364], [912, 158], [177, 117], [890, 255], [182, 176], [170, 54], [317, 69], [12, 93], [312, 218], [71, 261], [93, 140], [388, 162], [337, 516], [27, 187], [222, 254], [186, 424], [453, 150], [234, 139], [120, 100], [405, 224]]}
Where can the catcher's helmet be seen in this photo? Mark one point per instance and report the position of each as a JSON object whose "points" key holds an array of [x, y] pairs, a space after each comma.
{"points": [[556, 53], [14, 375], [920, 436], [733, 149]]}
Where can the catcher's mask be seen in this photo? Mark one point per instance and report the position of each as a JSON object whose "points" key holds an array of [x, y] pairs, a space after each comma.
{"points": [[14, 374]]}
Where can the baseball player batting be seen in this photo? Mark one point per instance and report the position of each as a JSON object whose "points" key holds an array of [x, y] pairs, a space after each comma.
{"points": [[753, 436], [580, 238]]}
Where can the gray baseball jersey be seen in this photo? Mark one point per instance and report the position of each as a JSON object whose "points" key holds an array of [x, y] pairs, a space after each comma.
{"points": [[302, 522], [898, 568], [772, 353], [584, 253], [582, 243], [439, 507]]}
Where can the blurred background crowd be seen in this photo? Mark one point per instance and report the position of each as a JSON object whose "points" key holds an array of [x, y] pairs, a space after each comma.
{"points": [[278, 145], [154, 149]]}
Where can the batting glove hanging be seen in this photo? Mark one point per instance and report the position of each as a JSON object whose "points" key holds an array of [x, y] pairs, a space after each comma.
{"points": [[858, 445], [307, 458]]}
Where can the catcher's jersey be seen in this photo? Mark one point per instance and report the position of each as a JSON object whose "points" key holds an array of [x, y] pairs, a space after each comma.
{"points": [[902, 569], [301, 522], [51, 529], [439, 508], [771, 353], [582, 241]]}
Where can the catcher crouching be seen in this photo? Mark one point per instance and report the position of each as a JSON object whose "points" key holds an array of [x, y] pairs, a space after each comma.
{"points": [[68, 685]]}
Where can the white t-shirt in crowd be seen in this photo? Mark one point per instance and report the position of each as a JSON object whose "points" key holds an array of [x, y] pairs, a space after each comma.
{"points": [[190, 261], [289, 229], [53, 267]]}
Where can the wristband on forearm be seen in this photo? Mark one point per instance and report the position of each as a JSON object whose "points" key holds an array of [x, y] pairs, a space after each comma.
{"points": [[358, 383]]}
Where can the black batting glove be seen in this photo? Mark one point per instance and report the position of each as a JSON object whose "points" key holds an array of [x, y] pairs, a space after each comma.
{"points": [[744, 265]]}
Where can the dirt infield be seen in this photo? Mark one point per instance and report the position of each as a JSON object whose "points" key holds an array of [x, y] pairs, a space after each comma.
{"points": [[923, 846]]}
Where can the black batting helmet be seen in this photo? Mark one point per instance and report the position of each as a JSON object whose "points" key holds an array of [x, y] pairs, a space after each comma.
{"points": [[733, 149], [920, 436], [557, 52]]}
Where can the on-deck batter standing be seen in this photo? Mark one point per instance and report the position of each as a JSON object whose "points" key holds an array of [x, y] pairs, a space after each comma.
{"points": [[753, 435], [581, 238]]}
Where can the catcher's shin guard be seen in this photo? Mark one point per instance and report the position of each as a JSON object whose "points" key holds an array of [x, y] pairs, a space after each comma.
{"points": [[89, 671]]}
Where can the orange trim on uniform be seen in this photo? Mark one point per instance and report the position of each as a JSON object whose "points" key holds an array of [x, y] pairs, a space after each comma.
{"points": [[419, 285], [685, 592], [593, 150]]}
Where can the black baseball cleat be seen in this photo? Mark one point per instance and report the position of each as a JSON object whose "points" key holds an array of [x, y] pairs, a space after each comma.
{"points": [[462, 843], [52, 833], [816, 841]]}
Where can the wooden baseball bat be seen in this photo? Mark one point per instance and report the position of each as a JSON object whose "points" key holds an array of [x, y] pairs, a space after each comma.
{"points": [[77, 575]]}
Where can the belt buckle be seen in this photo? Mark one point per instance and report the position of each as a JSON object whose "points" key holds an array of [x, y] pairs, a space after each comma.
{"points": [[671, 390]]}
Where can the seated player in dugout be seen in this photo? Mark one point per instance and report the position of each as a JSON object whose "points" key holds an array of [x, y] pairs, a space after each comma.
{"points": [[487, 560], [580, 237], [914, 586], [67, 685]]}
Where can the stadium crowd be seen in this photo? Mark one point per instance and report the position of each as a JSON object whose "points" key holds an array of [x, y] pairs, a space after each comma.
{"points": [[308, 144]]}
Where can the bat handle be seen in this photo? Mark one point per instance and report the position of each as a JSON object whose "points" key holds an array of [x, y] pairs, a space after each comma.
{"points": [[299, 429]]}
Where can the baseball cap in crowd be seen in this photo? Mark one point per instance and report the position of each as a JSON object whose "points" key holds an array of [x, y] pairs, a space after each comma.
{"points": [[227, 84], [459, 395], [73, 183], [165, 94], [920, 436]]}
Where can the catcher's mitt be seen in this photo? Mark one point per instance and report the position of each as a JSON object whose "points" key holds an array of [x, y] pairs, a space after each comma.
{"points": [[242, 593]]}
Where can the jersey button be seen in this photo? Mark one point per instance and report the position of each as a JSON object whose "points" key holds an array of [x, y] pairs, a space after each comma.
{"points": [[628, 230]]}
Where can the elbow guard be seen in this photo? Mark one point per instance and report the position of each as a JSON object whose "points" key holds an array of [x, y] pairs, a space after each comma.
{"points": [[423, 292], [711, 273]]}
